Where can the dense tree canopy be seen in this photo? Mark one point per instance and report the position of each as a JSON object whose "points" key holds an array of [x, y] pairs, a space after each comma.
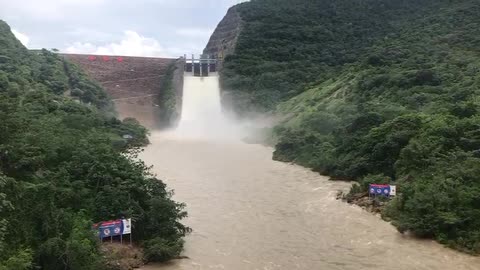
{"points": [[374, 87], [65, 163]]}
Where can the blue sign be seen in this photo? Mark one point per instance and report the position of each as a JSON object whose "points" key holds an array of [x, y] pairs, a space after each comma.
{"points": [[113, 228], [382, 190]]}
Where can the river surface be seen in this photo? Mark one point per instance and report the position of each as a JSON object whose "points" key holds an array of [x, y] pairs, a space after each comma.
{"points": [[249, 212]]}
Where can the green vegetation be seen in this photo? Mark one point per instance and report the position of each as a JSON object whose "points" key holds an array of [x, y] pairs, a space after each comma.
{"points": [[374, 89], [65, 163]]}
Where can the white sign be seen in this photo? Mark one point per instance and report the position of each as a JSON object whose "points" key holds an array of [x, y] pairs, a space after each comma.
{"points": [[393, 190], [127, 226]]}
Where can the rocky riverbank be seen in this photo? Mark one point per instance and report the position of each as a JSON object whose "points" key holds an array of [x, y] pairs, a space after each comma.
{"points": [[362, 199], [122, 257]]}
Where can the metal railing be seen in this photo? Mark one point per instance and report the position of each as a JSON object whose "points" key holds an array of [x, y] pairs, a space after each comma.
{"points": [[202, 66]]}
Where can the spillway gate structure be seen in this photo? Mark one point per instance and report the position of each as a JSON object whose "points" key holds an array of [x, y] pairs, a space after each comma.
{"points": [[202, 66]]}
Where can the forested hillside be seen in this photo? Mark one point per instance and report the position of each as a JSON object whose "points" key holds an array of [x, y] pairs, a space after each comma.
{"points": [[373, 90], [64, 164]]}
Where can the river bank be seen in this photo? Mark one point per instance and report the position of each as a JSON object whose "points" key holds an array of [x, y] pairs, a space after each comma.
{"points": [[363, 201], [122, 256]]}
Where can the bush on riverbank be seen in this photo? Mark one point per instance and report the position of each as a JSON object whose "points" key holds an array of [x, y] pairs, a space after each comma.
{"points": [[65, 163], [374, 87]]}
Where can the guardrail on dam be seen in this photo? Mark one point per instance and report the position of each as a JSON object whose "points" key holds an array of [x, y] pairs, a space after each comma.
{"points": [[202, 66]]}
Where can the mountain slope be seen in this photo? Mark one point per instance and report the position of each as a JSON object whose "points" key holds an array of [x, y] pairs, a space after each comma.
{"points": [[64, 164], [373, 91], [286, 44]]}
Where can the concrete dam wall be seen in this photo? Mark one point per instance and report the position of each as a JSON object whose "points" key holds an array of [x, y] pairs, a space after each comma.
{"points": [[135, 84]]}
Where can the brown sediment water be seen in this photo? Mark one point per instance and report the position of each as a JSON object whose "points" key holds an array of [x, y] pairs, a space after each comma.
{"points": [[250, 212]]}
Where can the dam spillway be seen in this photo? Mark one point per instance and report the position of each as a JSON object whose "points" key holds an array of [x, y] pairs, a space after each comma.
{"points": [[202, 116], [200, 104]]}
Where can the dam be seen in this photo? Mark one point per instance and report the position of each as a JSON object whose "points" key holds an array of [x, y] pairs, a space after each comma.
{"points": [[133, 83]]}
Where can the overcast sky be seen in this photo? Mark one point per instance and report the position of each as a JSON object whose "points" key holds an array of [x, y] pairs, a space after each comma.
{"points": [[119, 27]]}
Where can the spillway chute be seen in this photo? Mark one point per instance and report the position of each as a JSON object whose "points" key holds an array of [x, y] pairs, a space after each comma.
{"points": [[202, 116]]}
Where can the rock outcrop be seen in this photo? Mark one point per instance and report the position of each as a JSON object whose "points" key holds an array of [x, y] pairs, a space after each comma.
{"points": [[121, 256], [224, 38], [362, 199]]}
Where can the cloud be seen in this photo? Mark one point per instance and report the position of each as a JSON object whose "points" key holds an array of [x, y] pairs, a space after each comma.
{"points": [[51, 10], [24, 39], [90, 26], [131, 44], [89, 33]]}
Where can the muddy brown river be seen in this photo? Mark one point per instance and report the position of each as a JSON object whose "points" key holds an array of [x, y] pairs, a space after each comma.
{"points": [[249, 212]]}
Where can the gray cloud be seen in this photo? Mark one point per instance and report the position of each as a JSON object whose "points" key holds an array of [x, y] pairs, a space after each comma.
{"points": [[143, 27]]}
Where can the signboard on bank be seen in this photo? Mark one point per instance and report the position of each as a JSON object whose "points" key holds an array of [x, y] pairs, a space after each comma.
{"points": [[113, 228], [382, 190]]}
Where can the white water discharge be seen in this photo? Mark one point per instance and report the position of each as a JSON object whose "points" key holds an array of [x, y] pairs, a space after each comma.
{"points": [[202, 116]]}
